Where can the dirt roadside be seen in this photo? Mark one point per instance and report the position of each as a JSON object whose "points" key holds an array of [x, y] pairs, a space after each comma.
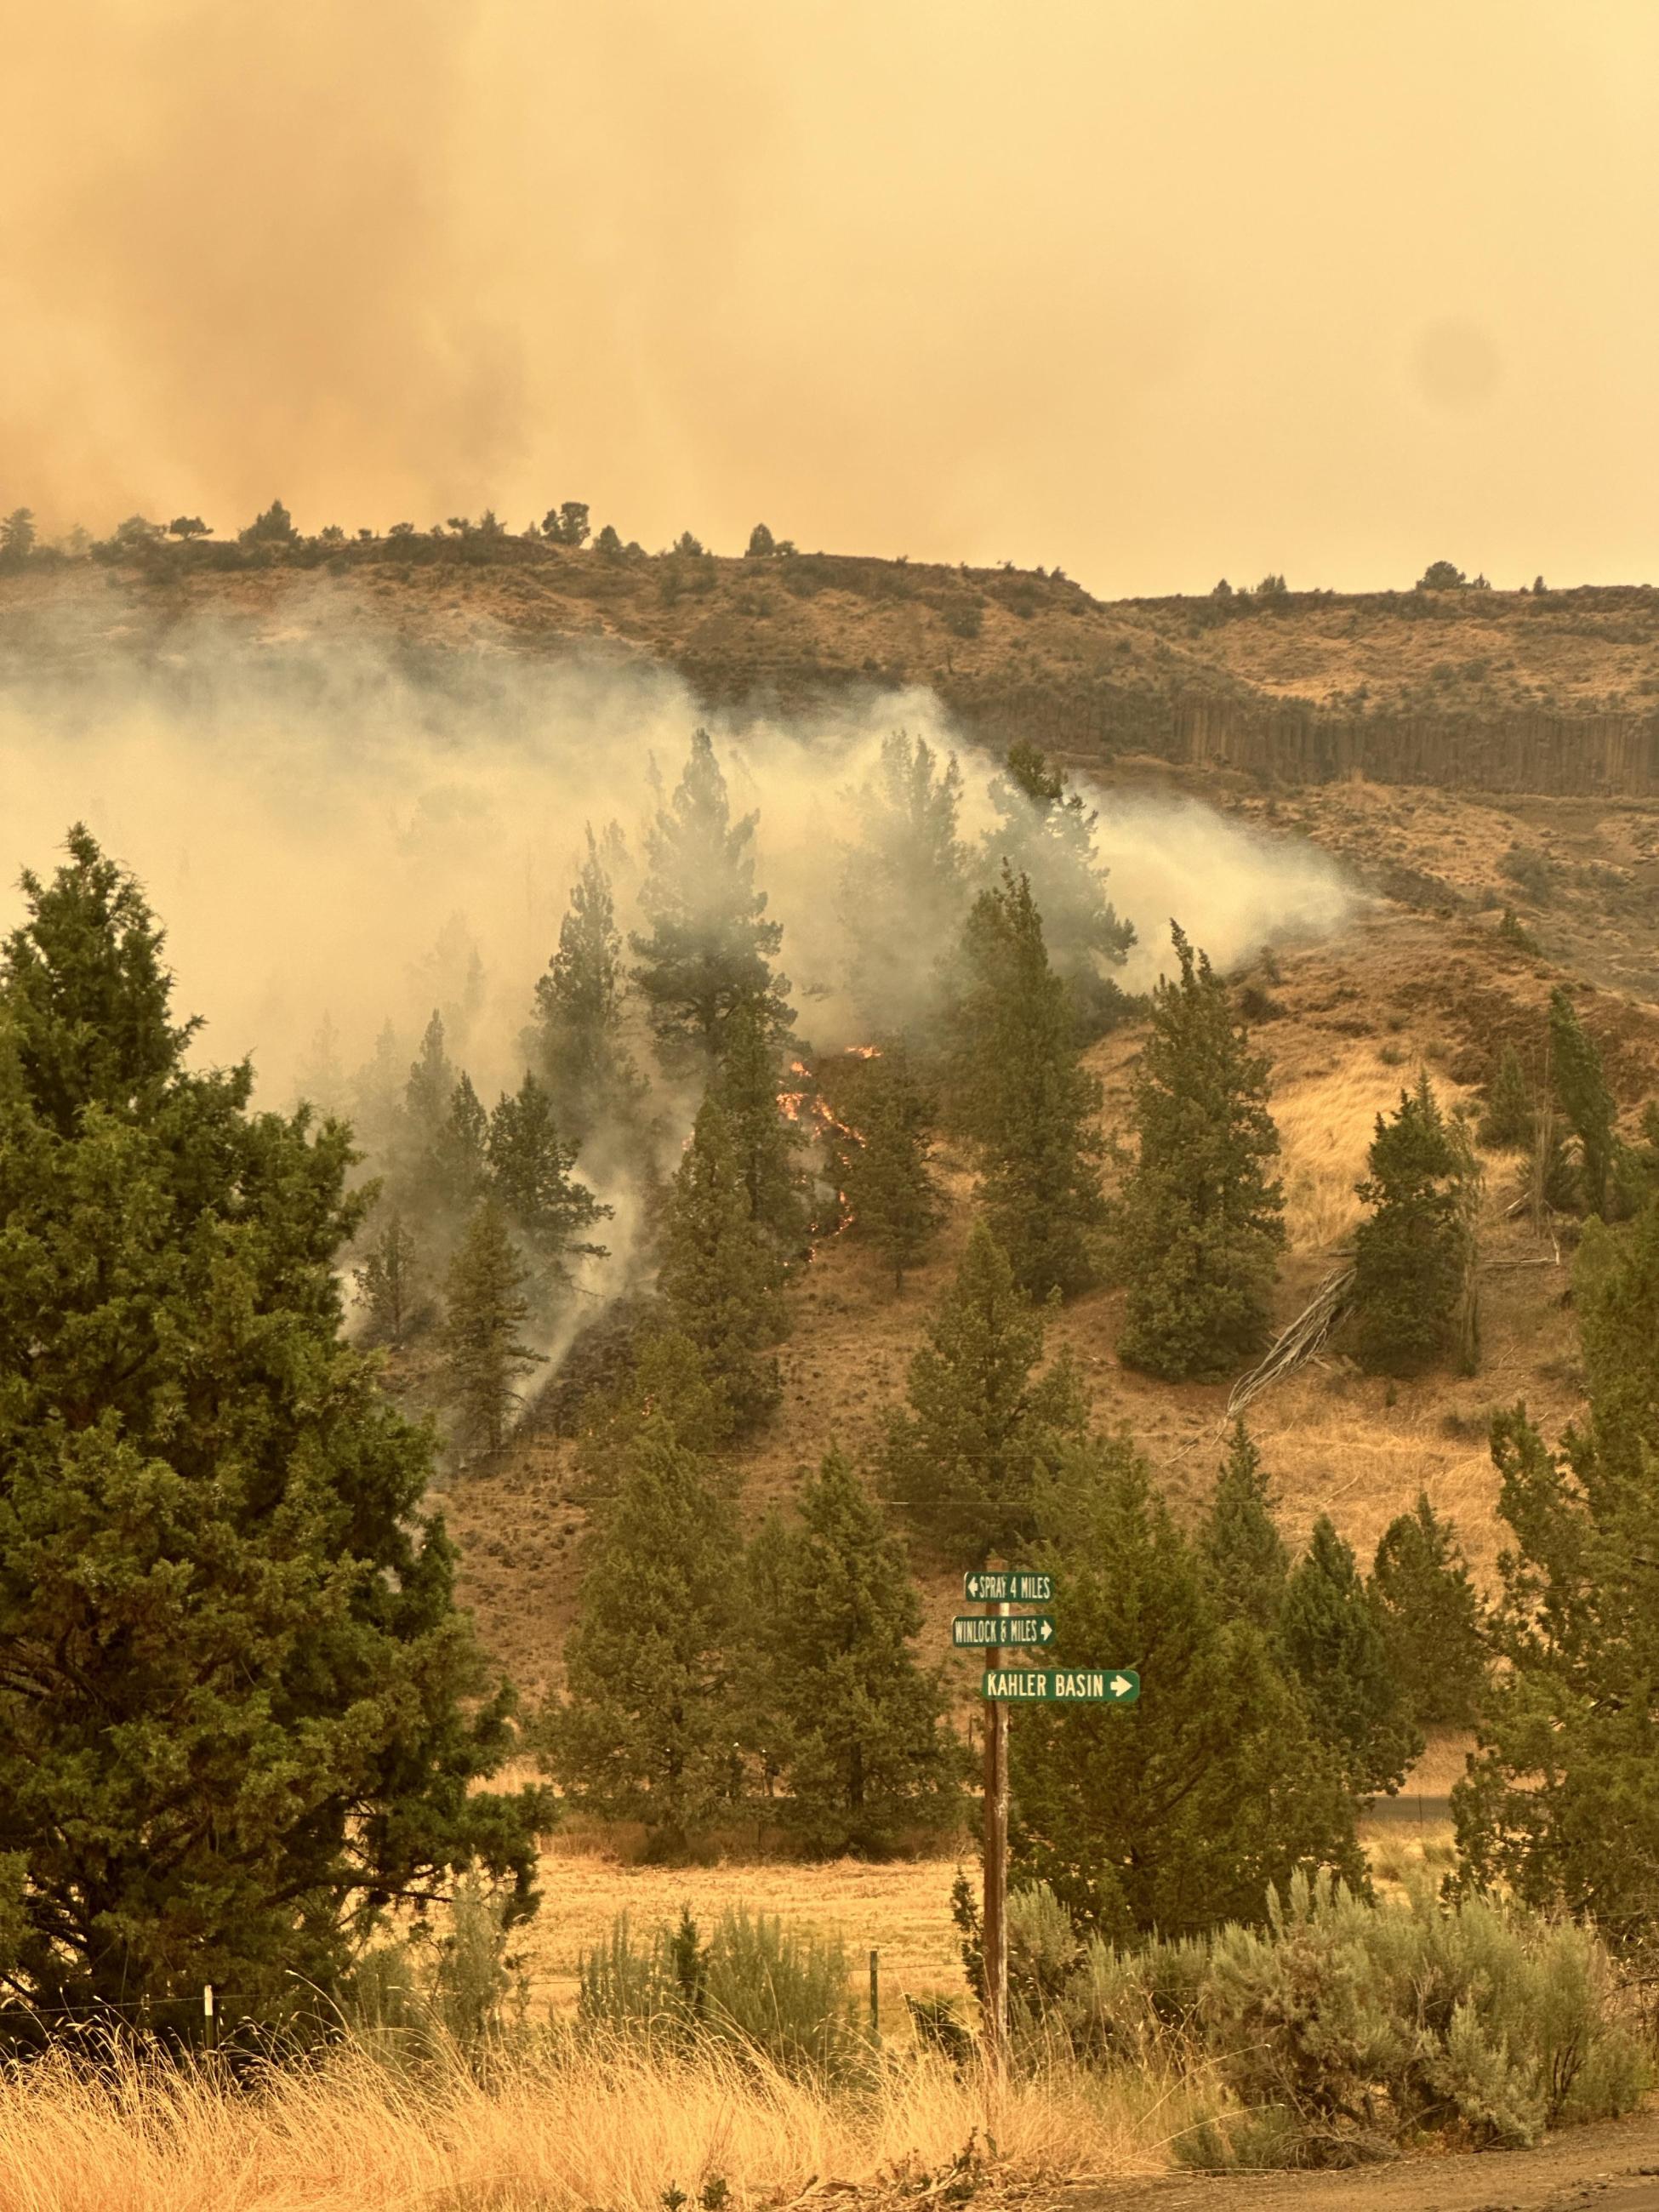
{"points": [[1613, 2168]]}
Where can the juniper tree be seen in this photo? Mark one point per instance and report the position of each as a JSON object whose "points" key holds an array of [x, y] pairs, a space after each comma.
{"points": [[903, 883], [966, 1461], [646, 1727], [1508, 1120], [577, 1039], [1334, 1642], [862, 1754], [1176, 1815], [1027, 1098], [388, 1283], [1047, 833], [720, 1277], [883, 1169], [1431, 1617], [708, 949], [530, 1173], [1561, 1803], [747, 1085], [1196, 1228], [485, 1309], [1414, 1254], [1246, 1564], [239, 1715], [1580, 1086]]}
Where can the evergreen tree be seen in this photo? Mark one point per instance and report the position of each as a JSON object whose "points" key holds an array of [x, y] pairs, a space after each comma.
{"points": [[1581, 1090], [1027, 1098], [720, 1276], [892, 1195], [485, 1309], [865, 1754], [903, 883], [967, 1460], [1197, 1224], [456, 1169], [1414, 1256], [1508, 1120], [1332, 1640], [648, 1725], [1046, 833], [530, 1173], [1174, 1814], [428, 1095], [321, 1082], [747, 1085], [239, 1714], [708, 950], [1245, 1561], [388, 1283], [1430, 1618], [577, 1041], [377, 1096]]}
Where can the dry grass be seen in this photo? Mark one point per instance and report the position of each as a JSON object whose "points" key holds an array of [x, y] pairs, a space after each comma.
{"points": [[599, 2127]]}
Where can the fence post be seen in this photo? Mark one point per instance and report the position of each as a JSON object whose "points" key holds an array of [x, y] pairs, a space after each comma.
{"points": [[875, 1996], [210, 2018]]}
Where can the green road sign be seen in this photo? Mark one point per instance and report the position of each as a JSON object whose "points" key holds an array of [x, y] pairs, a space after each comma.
{"points": [[1006, 1586], [978, 1628], [1063, 1685]]}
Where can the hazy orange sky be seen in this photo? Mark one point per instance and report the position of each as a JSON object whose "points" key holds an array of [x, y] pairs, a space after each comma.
{"points": [[1156, 293]]}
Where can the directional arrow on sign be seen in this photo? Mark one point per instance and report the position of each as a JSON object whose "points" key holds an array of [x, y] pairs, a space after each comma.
{"points": [[974, 1629], [1007, 1586], [1062, 1686]]}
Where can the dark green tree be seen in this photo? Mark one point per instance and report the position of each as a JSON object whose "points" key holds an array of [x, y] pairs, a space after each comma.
{"points": [[17, 537], [1197, 1226], [647, 1727], [1046, 833], [1430, 1614], [883, 1170], [240, 1715], [485, 1309], [708, 950], [1508, 1119], [457, 1167], [530, 1173], [567, 524], [768, 1144], [904, 883], [389, 1283], [1335, 1644], [1414, 1254], [864, 1757], [577, 1041], [1580, 1085], [966, 1461], [720, 1276], [274, 526], [1246, 1564], [428, 1094], [1176, 1814], [1026, 1098]]}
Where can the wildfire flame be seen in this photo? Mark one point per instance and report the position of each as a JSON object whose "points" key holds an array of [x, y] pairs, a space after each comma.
{"points": [[809, 1108]]}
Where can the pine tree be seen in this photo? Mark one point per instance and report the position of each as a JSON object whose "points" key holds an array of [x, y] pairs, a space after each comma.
{"points": [[485, 1309], [1414, 1258], [708, 950], [239, 1713], [388, 1283], [1197, 1225], [1430, 1618], [883, 1169], [1245, 1560], [321, 1081], [720, 1276], [1028, 1099], [595, 1089], [903, 883], [1047, 833], [865, 1756], [376, 1096], [650, 1716], [1174, 1814], [1332, 1640], [428, 1094], [968, 1459], [1580, 1085], [1508, 1121], [456, 1169], [746, 1085], [530, 1173]]}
